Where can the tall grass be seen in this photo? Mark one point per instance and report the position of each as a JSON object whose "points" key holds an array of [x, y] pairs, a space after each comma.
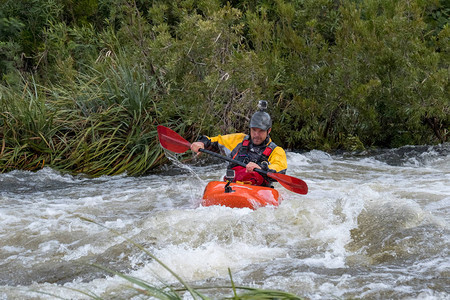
{"points": [[103, 125]]}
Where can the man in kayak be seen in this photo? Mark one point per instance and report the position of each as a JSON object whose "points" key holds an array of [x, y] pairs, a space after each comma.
{"points": [[256, 150]]}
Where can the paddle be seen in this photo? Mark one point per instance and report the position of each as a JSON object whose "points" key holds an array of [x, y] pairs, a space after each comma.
{"points": [[172, 141]]}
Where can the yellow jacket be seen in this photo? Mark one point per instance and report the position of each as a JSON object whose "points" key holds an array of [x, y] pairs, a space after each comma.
{"points": [[227, 143]]}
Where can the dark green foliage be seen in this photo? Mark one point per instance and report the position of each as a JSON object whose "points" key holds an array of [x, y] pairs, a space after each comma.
{"points": [[84, 83]]}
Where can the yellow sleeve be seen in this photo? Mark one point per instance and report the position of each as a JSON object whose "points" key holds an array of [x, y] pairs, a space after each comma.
{"points": [[277, 159], [229, 141]]}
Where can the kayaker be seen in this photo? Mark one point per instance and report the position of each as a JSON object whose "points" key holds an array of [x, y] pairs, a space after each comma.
{"points": [[256, 149]]}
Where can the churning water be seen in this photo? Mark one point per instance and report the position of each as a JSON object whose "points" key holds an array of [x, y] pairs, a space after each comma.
{"points": [[373, 227]]}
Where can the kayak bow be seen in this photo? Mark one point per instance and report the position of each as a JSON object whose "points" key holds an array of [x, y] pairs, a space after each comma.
{"points": [[236, 195]]}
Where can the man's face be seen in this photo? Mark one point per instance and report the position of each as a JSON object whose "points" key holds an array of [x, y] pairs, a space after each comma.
{"points": [[258, 135]]}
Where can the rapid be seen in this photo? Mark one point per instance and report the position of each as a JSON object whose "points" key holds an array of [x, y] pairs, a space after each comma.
{"points": [[373, 226]]}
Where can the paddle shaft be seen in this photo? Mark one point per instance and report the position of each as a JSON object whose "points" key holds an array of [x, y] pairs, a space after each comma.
{"points": [[242, 164]]}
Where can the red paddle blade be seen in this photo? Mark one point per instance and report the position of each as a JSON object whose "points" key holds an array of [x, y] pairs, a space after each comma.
{"points": [[291, 183], [171, 140]]}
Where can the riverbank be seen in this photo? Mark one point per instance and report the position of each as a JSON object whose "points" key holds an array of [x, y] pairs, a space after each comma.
{"points": [[83, 87]]}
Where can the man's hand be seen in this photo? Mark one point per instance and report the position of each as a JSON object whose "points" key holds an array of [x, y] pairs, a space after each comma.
{"points": [[251, 166], [195, 147]]}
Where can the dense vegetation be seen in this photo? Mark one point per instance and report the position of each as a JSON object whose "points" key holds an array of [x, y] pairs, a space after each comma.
{"points": [[84, 83]]}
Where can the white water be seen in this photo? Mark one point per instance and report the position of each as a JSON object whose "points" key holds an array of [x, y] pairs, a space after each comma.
{"points": [[371, 227]]}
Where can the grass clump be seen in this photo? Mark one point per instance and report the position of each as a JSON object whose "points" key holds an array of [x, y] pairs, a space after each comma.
{"points": [[104, 125]]}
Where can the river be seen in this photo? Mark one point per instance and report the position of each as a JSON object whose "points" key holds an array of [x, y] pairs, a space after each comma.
{"points": [[373, 226]]}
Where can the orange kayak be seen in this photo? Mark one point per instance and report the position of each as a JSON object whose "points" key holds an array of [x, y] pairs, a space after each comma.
{"points": [[239, 195]]}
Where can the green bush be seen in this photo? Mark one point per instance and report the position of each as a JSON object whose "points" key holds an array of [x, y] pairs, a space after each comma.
{"points": [[87, 82]]}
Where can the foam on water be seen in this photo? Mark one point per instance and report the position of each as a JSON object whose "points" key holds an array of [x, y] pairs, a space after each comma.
{"points": [[370, 227], [208, 261]]}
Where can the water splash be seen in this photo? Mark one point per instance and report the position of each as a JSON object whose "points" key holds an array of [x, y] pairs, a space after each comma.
{"points": [[367, 228], [174, 158]]}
